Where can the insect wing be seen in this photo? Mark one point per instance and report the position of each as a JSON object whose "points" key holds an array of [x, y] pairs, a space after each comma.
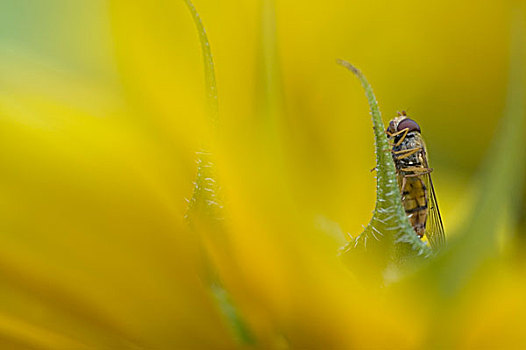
{"points": [[434, 228]]}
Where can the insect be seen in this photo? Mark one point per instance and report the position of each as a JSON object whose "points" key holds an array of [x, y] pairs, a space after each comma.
{"points": [[414, 179]]}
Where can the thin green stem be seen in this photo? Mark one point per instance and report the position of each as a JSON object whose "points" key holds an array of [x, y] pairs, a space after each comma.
{"points": [[389, 226], [210, 77], [205, 206]]}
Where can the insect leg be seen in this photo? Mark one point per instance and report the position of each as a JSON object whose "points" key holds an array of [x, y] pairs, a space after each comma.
{"points": [[402, 187], [419, 171], [404, 132], [408, 152]]}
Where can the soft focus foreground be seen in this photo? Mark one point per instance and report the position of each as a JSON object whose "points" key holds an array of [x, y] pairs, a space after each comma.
{"points": [[102, 111]]}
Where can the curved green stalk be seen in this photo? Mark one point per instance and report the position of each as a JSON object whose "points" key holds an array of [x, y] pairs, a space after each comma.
{"points": [[389, 229], [210, 77], [205, 206], [205, 197]]}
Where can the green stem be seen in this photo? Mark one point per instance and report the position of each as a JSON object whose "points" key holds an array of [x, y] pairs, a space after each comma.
{"points": [[210, 77], [205, 205], [389, 227]]}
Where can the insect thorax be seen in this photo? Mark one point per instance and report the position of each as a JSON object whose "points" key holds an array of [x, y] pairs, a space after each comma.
{"points": [[411, 141]]}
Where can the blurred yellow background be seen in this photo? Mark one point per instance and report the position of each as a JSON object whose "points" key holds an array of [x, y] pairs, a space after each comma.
{"points": [[102, 108]]}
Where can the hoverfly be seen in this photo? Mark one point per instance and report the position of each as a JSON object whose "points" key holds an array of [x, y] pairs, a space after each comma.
{"points": [[414, 179]]}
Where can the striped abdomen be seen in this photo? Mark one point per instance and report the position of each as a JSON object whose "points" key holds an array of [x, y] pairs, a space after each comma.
{"points": [[414, 200]]}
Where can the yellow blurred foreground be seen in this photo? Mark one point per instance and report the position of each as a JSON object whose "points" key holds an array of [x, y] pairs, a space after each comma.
{"points": [[102, 111]]}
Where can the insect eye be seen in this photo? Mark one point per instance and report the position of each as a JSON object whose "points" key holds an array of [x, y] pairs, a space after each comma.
{"points": [[408, 124]]}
